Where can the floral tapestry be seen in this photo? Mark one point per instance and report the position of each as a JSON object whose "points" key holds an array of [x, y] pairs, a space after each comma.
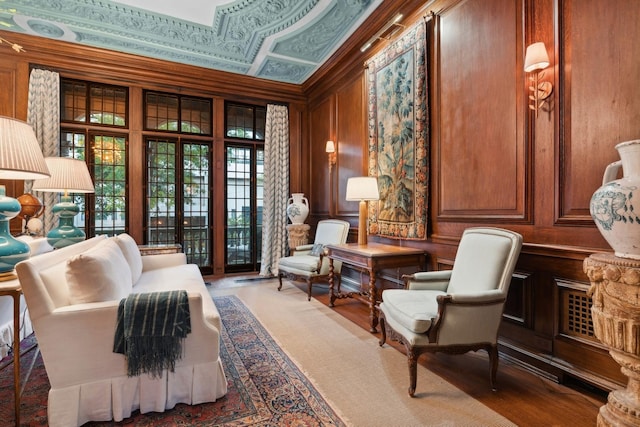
{"points": [[398, 136]]}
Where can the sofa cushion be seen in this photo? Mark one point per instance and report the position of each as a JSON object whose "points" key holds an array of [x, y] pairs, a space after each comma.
{"points": [[100, 274], [131, 253]]}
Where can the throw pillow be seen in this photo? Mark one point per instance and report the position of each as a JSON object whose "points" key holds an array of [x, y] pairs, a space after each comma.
{"points": [[100, 274], [131, 253], [317, 249]]}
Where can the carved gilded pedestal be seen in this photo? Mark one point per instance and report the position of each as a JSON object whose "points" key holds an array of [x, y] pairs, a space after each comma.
{"points": [[298, 234], [615, 291]]}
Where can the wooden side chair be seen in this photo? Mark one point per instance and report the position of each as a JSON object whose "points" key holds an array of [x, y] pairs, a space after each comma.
{"points": [[308, 263], [454, 311]]}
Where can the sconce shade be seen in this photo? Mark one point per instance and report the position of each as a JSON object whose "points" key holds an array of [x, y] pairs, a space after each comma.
{"points": [[536, 57], [362, 188], [330, 147], [67, 175], [20, 153]]}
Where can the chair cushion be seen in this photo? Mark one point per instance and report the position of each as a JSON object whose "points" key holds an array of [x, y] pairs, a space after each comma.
{"points": [[131, 253], [100, 274], [300, 262], [412, 309]]}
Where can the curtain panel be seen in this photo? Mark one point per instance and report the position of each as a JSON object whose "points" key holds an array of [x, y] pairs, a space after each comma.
{"points": [[43, 115], [276, 188]]}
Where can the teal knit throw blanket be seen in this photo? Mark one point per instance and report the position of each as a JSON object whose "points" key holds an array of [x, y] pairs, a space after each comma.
{"points": [[149, 331]]}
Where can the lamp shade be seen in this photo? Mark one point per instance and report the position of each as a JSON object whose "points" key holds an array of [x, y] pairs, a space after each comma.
{"points": [[330, 147], [536, 57], [67, 175], [362, 188], [20, 153]]}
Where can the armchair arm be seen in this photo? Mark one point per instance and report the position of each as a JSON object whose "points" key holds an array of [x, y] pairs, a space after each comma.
{"points": [[467, 319], [428, 280]]}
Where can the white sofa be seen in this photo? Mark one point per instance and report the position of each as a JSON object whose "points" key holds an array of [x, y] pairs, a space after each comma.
{"points": [[89, 381]]}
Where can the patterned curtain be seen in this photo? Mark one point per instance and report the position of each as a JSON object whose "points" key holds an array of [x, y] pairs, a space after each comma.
{"points": [[44, 116], [276, 188]]}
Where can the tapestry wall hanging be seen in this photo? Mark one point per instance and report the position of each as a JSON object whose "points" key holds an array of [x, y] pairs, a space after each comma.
{"points": [[398, 136]]}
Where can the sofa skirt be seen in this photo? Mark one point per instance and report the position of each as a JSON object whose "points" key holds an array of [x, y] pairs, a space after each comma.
{"points": [[6, 324], [117, 398]]}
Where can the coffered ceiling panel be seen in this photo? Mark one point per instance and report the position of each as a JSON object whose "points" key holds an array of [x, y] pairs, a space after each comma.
{"points": [[282, 40]]}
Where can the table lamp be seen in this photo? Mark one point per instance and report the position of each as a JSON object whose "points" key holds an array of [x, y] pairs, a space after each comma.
{"points": [[362, 188], [20, 158], [67, 176]]}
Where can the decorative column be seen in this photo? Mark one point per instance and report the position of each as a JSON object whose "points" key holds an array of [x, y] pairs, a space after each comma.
{"points": [[298, 235], [615, 291]]}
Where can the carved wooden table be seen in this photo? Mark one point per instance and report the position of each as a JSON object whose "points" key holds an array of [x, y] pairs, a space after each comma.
{"points": [[373, 258], [12, 288], [615, 291]]}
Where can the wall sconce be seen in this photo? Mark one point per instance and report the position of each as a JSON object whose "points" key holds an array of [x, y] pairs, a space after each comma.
{"points": [[330, 149], [362, 189], [536, 58], [378, 35]]}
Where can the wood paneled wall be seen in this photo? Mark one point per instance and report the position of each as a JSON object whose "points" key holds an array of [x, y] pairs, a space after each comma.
{"points": [[495, 163]]}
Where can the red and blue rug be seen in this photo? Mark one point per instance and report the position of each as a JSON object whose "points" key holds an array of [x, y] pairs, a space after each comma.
{"points": [[265, 388]]}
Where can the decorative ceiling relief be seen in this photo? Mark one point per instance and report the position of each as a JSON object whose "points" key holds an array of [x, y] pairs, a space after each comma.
{"points": [[283, 40]]}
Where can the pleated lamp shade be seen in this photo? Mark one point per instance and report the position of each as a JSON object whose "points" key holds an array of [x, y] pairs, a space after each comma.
{"points": [[67, 176], [20, 153]]}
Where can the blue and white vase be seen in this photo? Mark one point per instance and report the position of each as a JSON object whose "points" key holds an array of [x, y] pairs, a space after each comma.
{"points": [[615, 207], [297, 208]]}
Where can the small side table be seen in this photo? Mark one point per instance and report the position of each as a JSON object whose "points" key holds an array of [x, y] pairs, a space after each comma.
{"points": [[12, 288], [298, 235]]}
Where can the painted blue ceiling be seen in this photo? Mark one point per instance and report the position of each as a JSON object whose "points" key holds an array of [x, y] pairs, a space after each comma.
{"points": [[282, 40]]}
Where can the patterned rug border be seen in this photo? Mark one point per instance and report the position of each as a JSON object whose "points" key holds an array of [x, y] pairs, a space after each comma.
{"points": [[266, 387], [302, 384]]}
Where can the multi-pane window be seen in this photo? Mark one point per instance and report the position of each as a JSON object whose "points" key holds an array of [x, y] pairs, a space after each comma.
{"points": [[245, 121], [86, 108], [84, 102], [179, 216], [177, 113], [244, 176]]}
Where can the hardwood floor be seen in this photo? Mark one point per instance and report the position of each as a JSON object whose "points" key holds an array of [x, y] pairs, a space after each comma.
{"points": [[523, 397]]}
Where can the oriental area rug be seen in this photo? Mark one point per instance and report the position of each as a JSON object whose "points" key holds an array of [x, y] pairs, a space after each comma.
{"points": [[265, 388], [290, 362]]}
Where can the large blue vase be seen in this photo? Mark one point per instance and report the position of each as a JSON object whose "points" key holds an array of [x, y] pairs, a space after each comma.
{"points": [[12, 251]]}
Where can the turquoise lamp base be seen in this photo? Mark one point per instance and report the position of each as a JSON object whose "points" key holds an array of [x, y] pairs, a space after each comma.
{"points": [[12, 251], [66, 233]]}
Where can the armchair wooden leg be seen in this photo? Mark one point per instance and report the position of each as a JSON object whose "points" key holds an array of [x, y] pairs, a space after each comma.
{"points": [[383, 329], [309, 285], [493, 360], [412, 360], [280, 280]]}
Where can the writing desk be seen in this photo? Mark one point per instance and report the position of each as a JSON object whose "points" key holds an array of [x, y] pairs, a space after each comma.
{"points": [[373, 258]]}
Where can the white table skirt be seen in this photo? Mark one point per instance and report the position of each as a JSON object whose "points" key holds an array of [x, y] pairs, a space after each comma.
{"points": [[6, 323]]}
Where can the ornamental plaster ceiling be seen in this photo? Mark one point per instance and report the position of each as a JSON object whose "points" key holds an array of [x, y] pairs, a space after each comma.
{"points": [[281, 40]]}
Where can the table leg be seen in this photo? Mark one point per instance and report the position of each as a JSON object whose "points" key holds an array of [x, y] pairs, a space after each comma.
{"points": [[332, 296], [373, 318], [16, 354]]}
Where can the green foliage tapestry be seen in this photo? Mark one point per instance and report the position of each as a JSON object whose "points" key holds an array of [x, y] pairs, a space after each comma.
{"points": [[398, 136]]}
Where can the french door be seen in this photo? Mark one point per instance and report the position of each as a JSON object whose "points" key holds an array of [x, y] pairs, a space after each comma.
{"points": [[244, 176], [178, 203]]}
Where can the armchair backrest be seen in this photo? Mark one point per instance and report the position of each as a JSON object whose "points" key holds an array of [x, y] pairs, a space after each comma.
{"points": [[331, 232], [485, 260]]}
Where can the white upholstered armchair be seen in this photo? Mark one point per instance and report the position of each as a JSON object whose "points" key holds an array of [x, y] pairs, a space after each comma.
{"points": [[454, 311], [308, 263]]}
